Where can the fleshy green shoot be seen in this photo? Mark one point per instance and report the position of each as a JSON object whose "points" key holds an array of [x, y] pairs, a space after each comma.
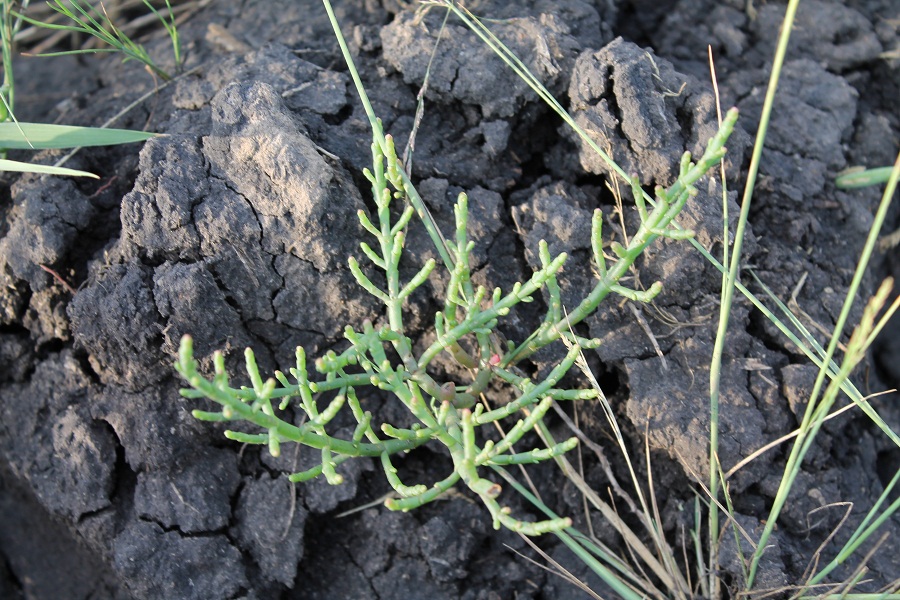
{"points": [[446, 412]]}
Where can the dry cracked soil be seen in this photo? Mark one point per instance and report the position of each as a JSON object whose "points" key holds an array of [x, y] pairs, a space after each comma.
{"points": [[236, 225]]}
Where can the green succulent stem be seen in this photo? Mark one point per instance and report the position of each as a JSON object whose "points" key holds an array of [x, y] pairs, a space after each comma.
{"points": [[237, 409], [654, 225], [385, 359]]}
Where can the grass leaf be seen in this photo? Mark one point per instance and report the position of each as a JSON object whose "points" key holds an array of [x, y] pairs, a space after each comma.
{"points": [[22, 167], [39, 136]]}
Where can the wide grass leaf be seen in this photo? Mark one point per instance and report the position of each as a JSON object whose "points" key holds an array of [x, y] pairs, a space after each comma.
{"points": [[39, 136]]}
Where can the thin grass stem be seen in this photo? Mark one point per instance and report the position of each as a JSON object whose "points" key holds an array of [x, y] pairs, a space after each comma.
{"points": [[729, 287], [811, 422]]}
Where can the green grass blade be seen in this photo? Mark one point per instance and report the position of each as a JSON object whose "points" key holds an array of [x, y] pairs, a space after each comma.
{"points": [[847, 387], [170, 27], [729, 286], [54, 26], [22, 167], [858, 179], [790, 316], [71, 52], [39, 136], [104, 30], [869, 525], [811, 419], [88, 21], [816, 353]]}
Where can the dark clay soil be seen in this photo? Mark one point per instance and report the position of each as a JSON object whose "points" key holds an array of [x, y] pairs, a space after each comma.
{"points": [[236, 226]]}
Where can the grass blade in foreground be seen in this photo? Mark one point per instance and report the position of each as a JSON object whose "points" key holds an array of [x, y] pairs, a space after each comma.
{"points": [[40, 136], [22, 167]]}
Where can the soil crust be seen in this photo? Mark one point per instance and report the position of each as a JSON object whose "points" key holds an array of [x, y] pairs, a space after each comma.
{"points": [[235, 228]]}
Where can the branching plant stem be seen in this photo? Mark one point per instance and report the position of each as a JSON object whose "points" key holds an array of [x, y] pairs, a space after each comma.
{"points": [[446, 413]]}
